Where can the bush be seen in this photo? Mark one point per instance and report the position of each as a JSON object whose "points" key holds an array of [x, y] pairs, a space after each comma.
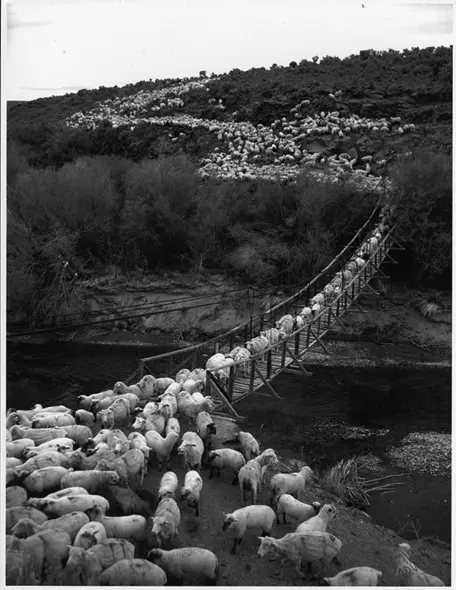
{"points": [[423, 195]]}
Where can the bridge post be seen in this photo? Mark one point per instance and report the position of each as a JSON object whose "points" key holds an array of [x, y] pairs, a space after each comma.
{"points": [[141, 370]]}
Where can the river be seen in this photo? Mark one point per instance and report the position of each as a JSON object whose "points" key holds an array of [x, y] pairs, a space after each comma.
{"points": [[316, 420]]}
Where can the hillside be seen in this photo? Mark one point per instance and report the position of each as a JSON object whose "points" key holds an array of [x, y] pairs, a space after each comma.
{"points": [[145, 178]]}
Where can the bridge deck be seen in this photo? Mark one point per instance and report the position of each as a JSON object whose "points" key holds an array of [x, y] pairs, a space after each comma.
{"points": [[259, 373]]}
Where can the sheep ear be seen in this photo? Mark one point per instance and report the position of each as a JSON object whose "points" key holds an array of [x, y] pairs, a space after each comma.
{"points": [[261, 538], [69, 547]]}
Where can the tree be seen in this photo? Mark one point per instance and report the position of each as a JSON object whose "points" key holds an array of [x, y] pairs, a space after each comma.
{"points": [[293, 64], [202, 74], [315, 59]]}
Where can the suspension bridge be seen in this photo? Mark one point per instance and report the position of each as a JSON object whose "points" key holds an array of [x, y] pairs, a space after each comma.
{"points": [[288, 354]]}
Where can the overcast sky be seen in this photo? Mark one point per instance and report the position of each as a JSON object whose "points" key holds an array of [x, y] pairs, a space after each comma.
{"points": [[59, 46]]}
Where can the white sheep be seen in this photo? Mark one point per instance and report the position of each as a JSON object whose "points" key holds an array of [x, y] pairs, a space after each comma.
{"points": [[162, 384], [192, 449], [38, 435], [117, 413], [251, 474], [146, 387], [18, 448], [133, 572], [272, 336], [168, 485], [14, 514], [319, 522], [409, 574], [205, 425], [90, 534], [44, 479], [257, 345], [192, 386], [182, 376], [104, 404], [46, 420], [240, 354], [161, 446], [40, 461], [122, 527], [289, 506], [318, 298], [87, 401], [285, 324], [15, 496], [163, 526], [168, 405], [75, 502], [187, 566], [249, 445], [225, 459], [84, 417], [71, 523], [138, 441], [78, 433], [193, 484], [172, 424], [251, 517], [155, 422], [302, 548], [289, 483], [89, 480], [355, 576], [190, 409]]}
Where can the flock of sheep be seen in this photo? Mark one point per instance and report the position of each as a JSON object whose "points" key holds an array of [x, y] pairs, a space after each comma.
{"points": [[75, 507], [250, 151]]}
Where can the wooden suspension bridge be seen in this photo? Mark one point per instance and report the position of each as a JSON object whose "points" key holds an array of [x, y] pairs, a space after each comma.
{"points": [[286, 355]]}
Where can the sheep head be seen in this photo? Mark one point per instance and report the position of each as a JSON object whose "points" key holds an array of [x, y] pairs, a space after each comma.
{"points": [[267, 546], [228, 520]]}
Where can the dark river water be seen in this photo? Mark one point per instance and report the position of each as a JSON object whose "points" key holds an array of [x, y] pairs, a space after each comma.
{"points": [[313, 421]]}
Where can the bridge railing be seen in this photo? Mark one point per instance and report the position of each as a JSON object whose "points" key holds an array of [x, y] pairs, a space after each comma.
{"points": [[196, 356]]}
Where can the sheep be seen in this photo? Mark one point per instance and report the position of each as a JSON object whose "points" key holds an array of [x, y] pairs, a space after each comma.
{"points": [[153, 422], [163, 526], [44, 479], [124, 501], [128, 465], [318, 522], [42, 420], [90, 480], [272, 336], [12, 462], [190, 409], [192, 449], [117, 441], [240, 354], [84, 566], [161, 446], [249, 445], [71, 523], [318, 298], [15, 513], [198, 374], [205, 425], [38, 435], [191, 386], [226, 459], [86, 401], [48, 548], [132, 528], [90, 534], [250, 517], [257, 345], [168, 405], [174, 389], [13, 419], [76, 502], [289, 483], [84, 417], [215, 361], [62, 445], [120, 388], [355, 576], [287, 505], [105, 403], [193, 484], [149, 409], [162, 384], [182, 376], [250, 475], [172, 424], [28, 414], [168, 485], [187, 566], [299, 322], [138, 441], [26, 527], [285, 324], [409, 574], [146, 388], [118, 412], [40, 461], [65, 492], [15, 496], [300, 548], [79, 461], [78, 433], [133, 572], [17, 448]]}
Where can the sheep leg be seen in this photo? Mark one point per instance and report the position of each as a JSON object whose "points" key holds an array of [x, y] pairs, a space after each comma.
{"points": [[236, 542], [235, 480], [337, 561], [284, 518], [212, 473], [197, 509], [219, 472]]}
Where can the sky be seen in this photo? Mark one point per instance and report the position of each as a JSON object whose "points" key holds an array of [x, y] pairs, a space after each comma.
{"points": [[60, 46]]}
